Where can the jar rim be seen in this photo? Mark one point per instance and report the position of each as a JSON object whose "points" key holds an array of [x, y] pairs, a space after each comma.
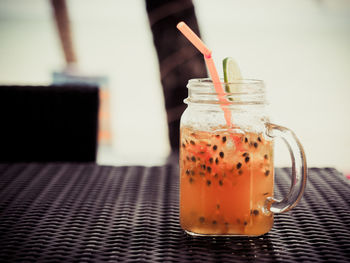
{"points": [[208, 81]]}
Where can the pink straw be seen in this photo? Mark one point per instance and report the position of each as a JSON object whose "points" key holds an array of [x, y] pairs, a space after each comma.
{"points": [[198, 43], [193, 38]]}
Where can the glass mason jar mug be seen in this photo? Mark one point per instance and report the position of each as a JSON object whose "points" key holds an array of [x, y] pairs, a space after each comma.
{"points": [[226, 161]]}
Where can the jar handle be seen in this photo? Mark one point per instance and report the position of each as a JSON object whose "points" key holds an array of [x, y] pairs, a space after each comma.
{"points": [[299, 170]]}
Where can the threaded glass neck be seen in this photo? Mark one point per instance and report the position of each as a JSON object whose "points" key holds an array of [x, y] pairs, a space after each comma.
{"points": [[239, 92]]}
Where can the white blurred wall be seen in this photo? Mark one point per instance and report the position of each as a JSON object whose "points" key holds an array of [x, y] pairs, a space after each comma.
{"points": [[301, 48]]}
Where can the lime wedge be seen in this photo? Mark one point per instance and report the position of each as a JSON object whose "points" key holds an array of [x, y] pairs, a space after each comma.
{"points": [[231, 73]]}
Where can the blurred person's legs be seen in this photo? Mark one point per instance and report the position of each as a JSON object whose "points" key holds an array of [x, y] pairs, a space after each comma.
{"points": [[178, 60]]}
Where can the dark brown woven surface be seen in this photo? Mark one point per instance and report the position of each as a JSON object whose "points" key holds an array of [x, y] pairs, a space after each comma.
{"points": [[86, 212]]}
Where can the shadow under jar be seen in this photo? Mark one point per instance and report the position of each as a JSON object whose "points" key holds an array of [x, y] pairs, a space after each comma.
{"points": [[226, 161]]}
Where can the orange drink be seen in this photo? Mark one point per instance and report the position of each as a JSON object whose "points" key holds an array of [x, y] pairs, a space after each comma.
{"points": [[223, 188]]}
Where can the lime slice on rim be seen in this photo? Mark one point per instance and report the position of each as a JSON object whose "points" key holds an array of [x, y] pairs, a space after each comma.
{"points": [[231, 73]]}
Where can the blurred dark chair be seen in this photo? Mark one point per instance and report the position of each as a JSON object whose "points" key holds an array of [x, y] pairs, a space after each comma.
{"points": [[48, 123]]}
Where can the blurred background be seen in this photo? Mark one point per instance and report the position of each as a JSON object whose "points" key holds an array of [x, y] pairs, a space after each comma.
{"points": [[300, 48]]}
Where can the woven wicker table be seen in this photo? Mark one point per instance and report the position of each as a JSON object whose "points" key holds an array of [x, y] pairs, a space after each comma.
{"points": [[87, 212]]}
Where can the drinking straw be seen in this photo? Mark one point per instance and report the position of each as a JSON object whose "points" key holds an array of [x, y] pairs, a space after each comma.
{"points": [[198, 43]]}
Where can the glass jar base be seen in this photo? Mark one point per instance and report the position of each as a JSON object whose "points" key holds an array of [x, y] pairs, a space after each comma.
{"points": [[220, 235]]}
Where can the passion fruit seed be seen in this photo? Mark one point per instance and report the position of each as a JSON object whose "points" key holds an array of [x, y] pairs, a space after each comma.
{"points": [[259, 139], [255, 144], [193, 159], [192, 142], [245, 154], [202, 219], [221, 154], [224, 139], [247, 159], [239, 165], [245, 139], [266, 156], [183, 145], [187, 172], [220, 182], [265, 193], [255, 212], [208, 182], [191, 180], [209, 169], [216, 160], [211, 160], [240, 172], [214, 222], [267, 172], [215, 147]]}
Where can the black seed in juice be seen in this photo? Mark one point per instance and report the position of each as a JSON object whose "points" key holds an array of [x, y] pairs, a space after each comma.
{"points": [[216, 160], [239, 165], [193, 159], [245, 223], [245, 154], [259, 139], [187, 172], [247, 159], [192, 142], [265, 193], [214, 222], [202, 219], [202, 174], [245, 139], [215, 147], [220, 182], [203, 167], [266, 156], [183, 145], [188, 158], [191, 180], [267, 172], [208, 182], [240, 172], [256, 212], [221, 154], [211, 160], [224, 139], [255, 144], [217, 136], [216, 175], [209, 169]]}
